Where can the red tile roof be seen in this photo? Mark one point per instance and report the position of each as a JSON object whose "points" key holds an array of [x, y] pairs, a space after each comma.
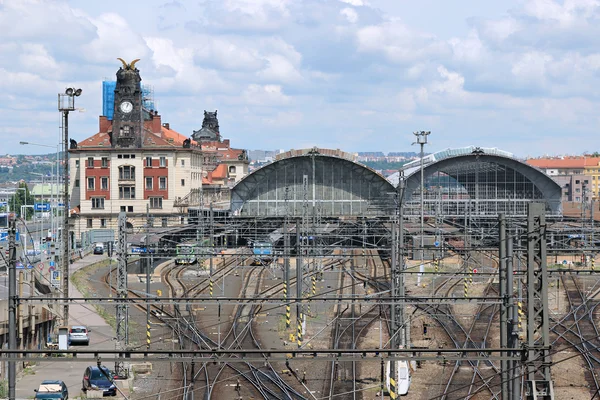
{"points": [[166, 138], [566, 162]]}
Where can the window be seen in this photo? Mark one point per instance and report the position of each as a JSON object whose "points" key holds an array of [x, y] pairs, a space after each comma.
{"points": [[90, 162], [577, 182], [125, 155], [126, 130], [104, 183], [163, 161], [98, 202], [149, 183], [148, 161], [129, 208], [90, 183], [162, 183], [77, 163], [127, 192], [123, 208], [89, 222], [183, 182], [120, 156], [76, 182], [104, 162], [102, 222], [127, 173], [232, 169], [164, 222], [156, 202], [183, 163], [133, 156]]}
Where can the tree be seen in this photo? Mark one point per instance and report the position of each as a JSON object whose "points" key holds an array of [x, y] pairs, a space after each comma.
{"points": [[21, 198]]}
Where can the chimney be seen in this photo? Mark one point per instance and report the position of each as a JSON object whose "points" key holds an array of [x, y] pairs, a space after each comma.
{"points": [[156, 124], [104, 124]]}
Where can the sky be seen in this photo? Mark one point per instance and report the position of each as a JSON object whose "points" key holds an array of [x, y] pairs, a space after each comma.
{"points": [[356, 75]]}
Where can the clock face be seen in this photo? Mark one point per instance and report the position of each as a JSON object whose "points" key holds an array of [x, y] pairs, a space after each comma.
{"points": [[126, 107]]}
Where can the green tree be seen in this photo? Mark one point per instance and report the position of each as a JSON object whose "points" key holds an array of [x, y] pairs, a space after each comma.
{"points": [[22, 197]]}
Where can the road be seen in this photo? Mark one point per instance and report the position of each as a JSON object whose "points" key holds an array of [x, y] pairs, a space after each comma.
{"points": [[101, 337]]}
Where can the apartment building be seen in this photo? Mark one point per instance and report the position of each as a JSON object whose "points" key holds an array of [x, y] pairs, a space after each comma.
{"points": [[579, 177]]}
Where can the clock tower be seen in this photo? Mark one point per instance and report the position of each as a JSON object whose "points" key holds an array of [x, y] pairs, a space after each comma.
{"points": [[128, 119]]}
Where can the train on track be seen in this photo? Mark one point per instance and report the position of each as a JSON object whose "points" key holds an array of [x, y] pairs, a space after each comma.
{"points": [[403, 377], [192, 252], [263, 253]]}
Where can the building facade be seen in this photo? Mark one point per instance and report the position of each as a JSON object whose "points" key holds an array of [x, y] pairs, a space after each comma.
{"points": [[134, 164], [579, 177]]}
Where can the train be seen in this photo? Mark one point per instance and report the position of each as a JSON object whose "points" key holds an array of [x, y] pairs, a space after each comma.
{"points": [[192, 252], [263, 253], [403, 377]]}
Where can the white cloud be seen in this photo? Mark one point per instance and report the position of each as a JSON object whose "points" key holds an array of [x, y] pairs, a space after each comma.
{"points": [[265, 95], [530, 71], [356, 3], [399, 43], [350, 14]]}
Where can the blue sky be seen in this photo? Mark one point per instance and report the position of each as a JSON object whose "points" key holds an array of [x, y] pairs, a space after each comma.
{"points": [[359, 75]]}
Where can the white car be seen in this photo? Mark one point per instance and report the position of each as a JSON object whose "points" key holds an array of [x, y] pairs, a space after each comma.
{"points": [[79, 335]]}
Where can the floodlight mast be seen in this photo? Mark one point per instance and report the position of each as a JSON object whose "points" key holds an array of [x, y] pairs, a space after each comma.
{"points": [[422, 141], [66, 103]]}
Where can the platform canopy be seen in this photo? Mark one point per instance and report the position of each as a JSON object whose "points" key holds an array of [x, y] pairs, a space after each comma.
{"points": [[476, 181], [313, 182]]}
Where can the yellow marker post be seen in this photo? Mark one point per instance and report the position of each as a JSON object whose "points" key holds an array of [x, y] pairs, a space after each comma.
{"points": [[393, 394], [299, 334]]}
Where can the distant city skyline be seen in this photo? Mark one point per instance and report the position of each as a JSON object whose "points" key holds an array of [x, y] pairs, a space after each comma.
{"points": [[350, 74]]}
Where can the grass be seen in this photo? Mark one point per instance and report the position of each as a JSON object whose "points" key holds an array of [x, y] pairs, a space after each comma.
{"points": [[79, 279]]}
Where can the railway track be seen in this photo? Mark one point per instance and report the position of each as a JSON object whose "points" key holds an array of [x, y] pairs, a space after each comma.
{"points": [[466, 378], [578, 329], [350, 327], [262, 381]]}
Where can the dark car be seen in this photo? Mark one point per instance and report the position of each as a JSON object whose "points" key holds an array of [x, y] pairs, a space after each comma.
{"points": [[52, 390], [96, 379], [99, 248]]}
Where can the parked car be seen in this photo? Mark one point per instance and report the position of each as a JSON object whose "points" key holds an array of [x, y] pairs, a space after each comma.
{"points": [[99, 248], [52, 390], [96, 379], [79, 335]]}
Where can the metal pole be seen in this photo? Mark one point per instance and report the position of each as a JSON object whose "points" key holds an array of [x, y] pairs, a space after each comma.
{"points": [[286, 270], [212, 240], [400, 255], [148, 266], [394, 310], [42, 221], [65, 233], [299, 282], [503, 307], [12, 307], [422, 206], [513, 339]]}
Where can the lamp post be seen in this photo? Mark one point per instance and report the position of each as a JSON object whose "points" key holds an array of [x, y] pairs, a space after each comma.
{"points": [[43, 235], [66, 103], [422, 141], [24, 189], [52, 219]]}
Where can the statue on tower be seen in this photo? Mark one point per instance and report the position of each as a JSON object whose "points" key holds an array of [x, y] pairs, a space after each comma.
{"points": [[128, 121], [210, 128]]}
